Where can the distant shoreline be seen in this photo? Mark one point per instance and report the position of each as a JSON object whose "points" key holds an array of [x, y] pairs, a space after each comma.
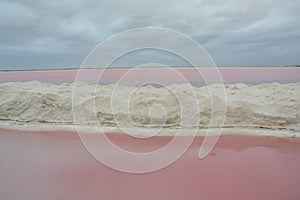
{"points": [[111, 68]]}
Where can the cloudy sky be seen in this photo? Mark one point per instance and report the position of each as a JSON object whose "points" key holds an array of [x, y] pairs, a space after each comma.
{"points": [[59, 34]]}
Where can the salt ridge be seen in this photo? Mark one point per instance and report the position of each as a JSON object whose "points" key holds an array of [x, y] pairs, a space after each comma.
{"points": [[271, 107]]}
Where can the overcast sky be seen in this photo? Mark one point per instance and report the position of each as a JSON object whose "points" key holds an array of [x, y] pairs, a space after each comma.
{"points": [[59, 34]]}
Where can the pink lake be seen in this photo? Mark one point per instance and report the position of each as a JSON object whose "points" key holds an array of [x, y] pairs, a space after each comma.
{"points": [[55, 165], [229, 75]]}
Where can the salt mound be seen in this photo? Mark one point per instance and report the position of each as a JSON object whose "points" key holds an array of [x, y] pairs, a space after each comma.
{"points": [[268, 105]]}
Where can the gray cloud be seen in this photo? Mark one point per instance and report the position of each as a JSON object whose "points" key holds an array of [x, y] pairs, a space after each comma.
{"points": [[48, 34]]}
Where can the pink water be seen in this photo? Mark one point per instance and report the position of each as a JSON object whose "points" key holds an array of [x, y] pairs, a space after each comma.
{"points": [[229, 75], [47, 165]]}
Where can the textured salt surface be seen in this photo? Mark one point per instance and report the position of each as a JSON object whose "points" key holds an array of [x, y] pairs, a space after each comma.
{"points": [[269, 106]]}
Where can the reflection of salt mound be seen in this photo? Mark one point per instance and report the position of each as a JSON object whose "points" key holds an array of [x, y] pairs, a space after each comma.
{"points": [[269, 105]]}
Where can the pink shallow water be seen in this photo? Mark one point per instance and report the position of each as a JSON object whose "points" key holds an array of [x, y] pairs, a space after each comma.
{"points": [[166, 76], [55, 165]]}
